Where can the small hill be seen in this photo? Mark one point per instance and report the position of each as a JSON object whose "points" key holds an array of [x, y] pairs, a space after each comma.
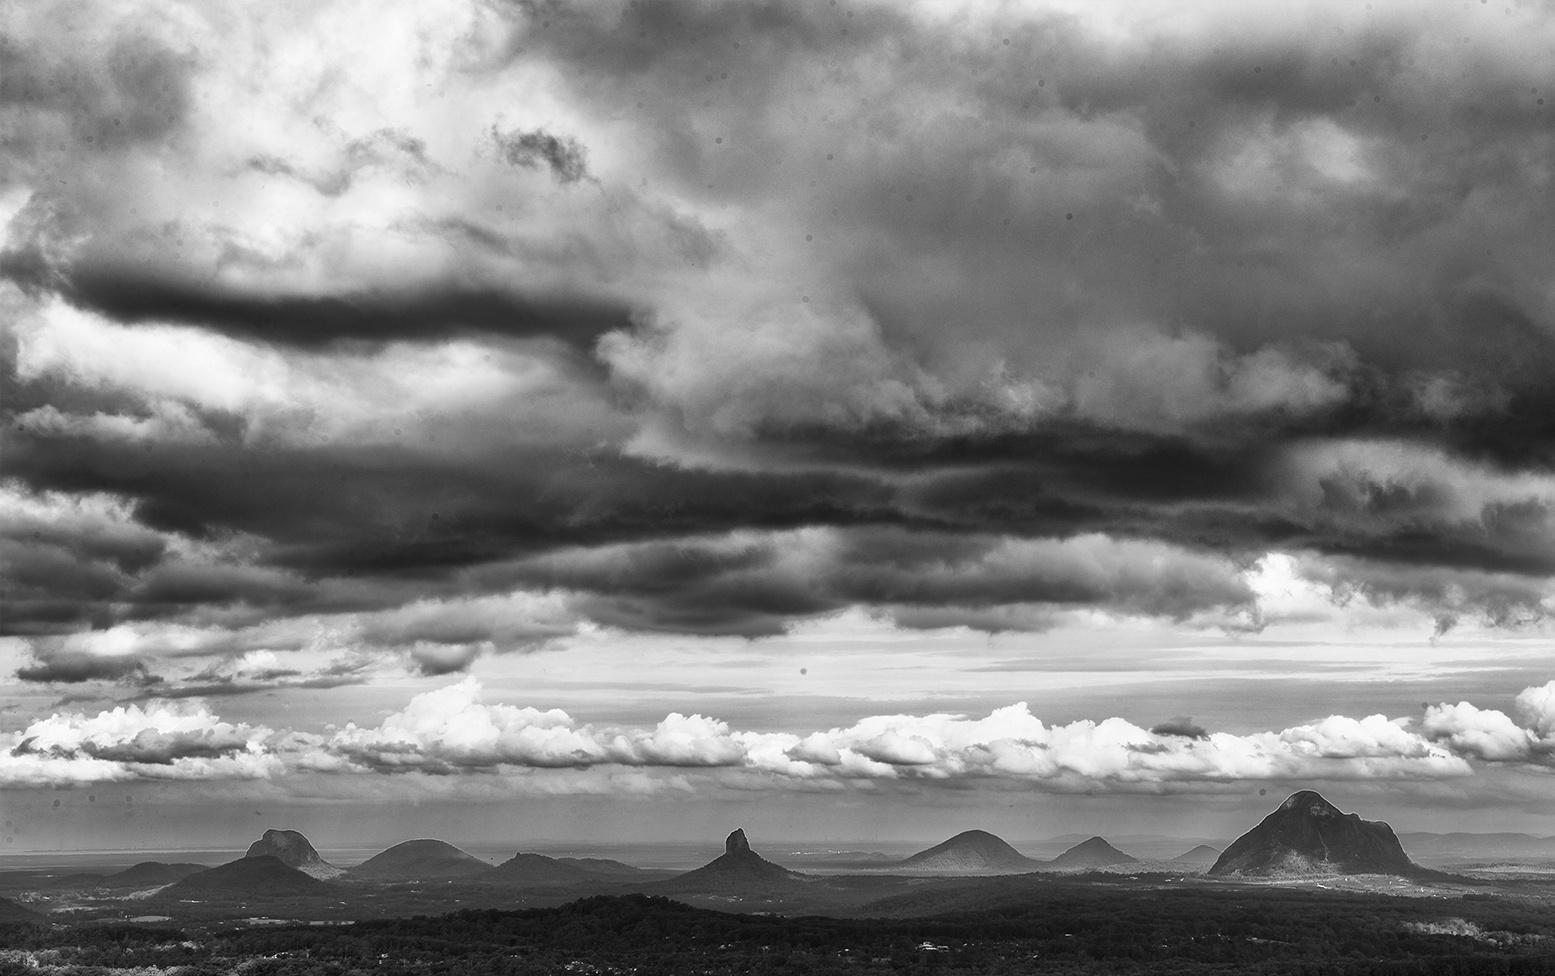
{"points": [[255, 876], [293, 850], [970, 852], [75, 881], [146, 874], [149, 874], [1203, 854], [1093, 853], [1306, 835], [420, 860], [738, 871], [10, 911]]}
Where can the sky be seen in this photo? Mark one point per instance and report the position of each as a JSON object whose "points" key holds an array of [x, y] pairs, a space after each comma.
{"points": [[847, 420]]}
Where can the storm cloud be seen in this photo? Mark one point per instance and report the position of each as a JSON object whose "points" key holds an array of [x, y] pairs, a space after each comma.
{"points": [[714, 319]]}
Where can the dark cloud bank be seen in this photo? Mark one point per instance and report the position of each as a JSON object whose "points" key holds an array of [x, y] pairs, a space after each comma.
{"points": [[809, 307]]}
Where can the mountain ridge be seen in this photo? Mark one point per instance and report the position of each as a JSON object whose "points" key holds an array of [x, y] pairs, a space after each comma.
{"points": [[525, 868]]}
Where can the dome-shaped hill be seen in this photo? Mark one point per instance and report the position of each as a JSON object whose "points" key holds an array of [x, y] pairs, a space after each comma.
{"points": [[1093, 853], [970, 852], [1307, 834], [292, 849], [261, 876], [1203, 854], [420, 860], [738, 871]]}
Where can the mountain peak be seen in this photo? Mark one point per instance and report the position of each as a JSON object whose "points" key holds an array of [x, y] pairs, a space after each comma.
{"points": [[254, 875], [292, 849], [1093, 853], [970, 852], [738, 870], [1314, 803], [1307, 834], [287, 845]]}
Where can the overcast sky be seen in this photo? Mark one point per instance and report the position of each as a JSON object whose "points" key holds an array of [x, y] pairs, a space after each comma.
{"points": [[845, 419]]}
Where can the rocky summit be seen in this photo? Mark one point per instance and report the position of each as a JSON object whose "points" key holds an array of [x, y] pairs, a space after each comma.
{"points": [[1308, 835], [293, 850], [739, 860], [970, 852]]}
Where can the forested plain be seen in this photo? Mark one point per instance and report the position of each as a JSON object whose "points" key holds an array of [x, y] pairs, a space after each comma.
{"points": [[1068, 929]]}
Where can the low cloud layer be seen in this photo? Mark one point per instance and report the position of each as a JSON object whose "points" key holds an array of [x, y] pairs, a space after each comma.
{"points": [[452, 732], [456, 338]]}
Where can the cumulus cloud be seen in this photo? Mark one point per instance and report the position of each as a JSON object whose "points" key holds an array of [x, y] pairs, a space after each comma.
{"points": [[162, 741], [1536, 707], [717, 318], [1493, 735], [1482, 733], [453, 731]]}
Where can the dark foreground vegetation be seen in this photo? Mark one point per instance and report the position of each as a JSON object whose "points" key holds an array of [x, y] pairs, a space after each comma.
{"points": [[1072, 930]]}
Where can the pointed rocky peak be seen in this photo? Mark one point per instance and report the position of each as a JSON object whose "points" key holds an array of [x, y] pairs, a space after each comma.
{"points": [[737, 870]]}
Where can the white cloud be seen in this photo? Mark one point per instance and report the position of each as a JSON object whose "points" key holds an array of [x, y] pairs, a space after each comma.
{"points": [[163, 740], [1536, 706], [452, 730], [1481, 733]]}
